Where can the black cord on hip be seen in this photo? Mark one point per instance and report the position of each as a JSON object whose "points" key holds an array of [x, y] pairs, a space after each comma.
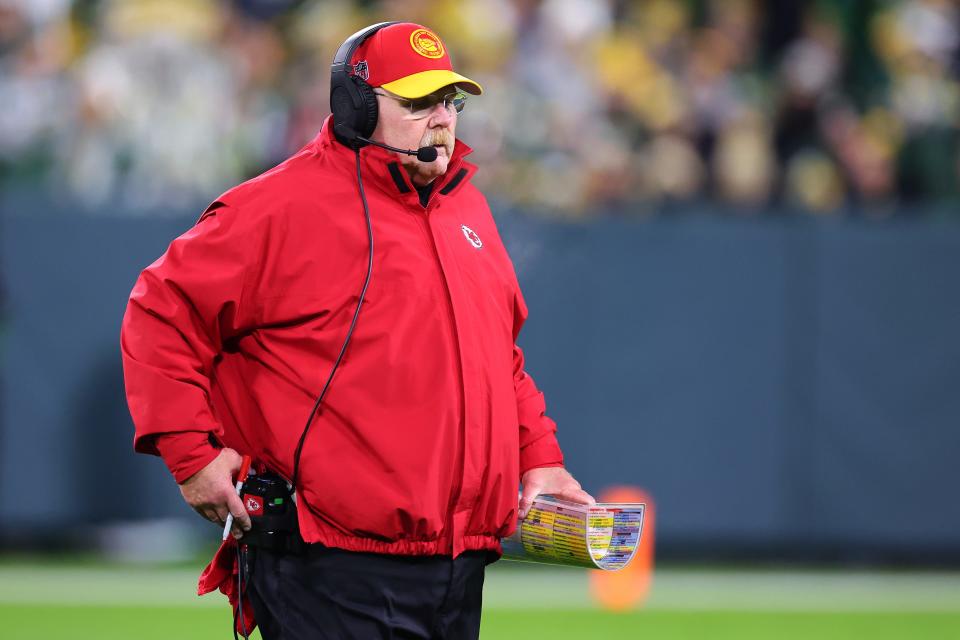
{"points": [[346, 341], [241, 587]]}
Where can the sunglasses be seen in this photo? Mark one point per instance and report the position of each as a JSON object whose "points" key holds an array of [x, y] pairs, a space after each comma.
{"points": [[423, 107]]}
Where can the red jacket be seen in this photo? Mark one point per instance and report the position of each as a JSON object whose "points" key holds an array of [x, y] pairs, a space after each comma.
{"points": [[430, 419]]}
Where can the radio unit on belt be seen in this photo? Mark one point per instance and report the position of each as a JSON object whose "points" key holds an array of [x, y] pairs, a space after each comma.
{"points": [[273, 514]]}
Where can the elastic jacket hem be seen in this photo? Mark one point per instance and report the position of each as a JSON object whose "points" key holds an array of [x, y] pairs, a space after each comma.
{"points": [[408, 547]]}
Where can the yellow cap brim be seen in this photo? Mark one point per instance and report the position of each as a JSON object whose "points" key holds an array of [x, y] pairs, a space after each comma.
{"points": [[424, 83]]}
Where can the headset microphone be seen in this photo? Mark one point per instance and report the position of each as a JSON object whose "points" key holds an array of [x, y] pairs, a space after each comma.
{"points": [[424, 154]]}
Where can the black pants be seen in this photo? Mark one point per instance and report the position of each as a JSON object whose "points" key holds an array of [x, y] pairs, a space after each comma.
{"points": [[336, 594]]}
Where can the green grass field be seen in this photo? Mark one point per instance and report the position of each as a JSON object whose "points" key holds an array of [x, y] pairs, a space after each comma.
{"points": [[48, 599], [188, 623]]}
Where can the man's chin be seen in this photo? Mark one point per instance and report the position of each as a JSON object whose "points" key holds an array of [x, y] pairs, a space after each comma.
{"points": [[424, 172], [437, 167]]}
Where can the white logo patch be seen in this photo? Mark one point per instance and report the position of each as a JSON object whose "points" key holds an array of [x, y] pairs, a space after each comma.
{"points": [[471, 236]]}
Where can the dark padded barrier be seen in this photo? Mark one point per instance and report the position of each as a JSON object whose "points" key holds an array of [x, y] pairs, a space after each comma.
{"points": [[777, 383]]}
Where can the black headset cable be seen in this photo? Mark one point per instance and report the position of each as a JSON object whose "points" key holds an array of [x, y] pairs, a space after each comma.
{"points": [[242, 580], [346, 341]]}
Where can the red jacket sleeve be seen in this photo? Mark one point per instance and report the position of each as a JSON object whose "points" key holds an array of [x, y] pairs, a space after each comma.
{"points": [[186, 452], [538, 440], [181, 310]]}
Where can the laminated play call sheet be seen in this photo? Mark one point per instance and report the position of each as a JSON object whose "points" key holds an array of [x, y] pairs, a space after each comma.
{"points": [[602, 536]]}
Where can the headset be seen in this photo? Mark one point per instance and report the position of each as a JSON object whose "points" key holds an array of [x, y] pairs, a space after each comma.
{"points": [[352, 101]]}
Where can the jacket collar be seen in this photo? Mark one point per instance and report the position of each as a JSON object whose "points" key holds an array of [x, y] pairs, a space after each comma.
{"points": [[382, 168]]}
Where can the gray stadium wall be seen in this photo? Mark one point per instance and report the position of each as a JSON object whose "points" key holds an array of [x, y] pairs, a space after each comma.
{"points": [[781, 385]]}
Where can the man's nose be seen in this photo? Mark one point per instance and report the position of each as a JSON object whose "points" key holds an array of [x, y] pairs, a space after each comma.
{"points": [[441, 115]]}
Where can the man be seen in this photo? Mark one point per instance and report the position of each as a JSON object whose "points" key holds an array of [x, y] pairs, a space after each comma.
{"points": [[407, 473]]}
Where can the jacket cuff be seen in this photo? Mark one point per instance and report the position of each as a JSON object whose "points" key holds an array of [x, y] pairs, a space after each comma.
{"points": [[543, 452], [186, 452]]}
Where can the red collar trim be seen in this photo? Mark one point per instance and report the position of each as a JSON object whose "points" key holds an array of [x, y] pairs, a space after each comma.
{"points": [[381, 167]]}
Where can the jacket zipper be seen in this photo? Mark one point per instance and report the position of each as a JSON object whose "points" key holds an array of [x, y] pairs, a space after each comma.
{"points": [[458, 480]]}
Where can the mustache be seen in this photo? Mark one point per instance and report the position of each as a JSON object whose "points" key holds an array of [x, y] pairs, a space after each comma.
{"points": [[438, 137]]}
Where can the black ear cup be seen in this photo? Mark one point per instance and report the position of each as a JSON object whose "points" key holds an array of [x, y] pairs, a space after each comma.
{"points": [[343, 110], [355, 110], [369, 111], [341, 105]]}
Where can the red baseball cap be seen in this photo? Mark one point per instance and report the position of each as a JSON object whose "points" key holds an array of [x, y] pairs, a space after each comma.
{"points": [[410, 61]]}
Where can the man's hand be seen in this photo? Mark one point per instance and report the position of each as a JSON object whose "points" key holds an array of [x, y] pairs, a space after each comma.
{"points": [[212, 494], [554, 481]]}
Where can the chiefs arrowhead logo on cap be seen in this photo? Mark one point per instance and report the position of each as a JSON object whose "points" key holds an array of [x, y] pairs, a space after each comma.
{"points": [[426, 43]]}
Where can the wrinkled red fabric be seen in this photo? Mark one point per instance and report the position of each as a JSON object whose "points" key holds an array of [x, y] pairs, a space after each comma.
{"points": [[222, 573], [186, 452]]}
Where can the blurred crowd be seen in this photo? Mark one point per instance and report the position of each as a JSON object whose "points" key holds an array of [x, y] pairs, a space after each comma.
{"points": [[590, 106]]}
